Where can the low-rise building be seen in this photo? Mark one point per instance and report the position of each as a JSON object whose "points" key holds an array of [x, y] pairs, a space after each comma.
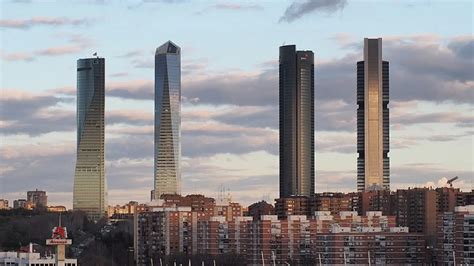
{"points": [[12, 258]]}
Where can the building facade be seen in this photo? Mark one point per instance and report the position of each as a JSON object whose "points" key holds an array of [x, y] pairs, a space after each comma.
{"points": [[455, 238], [90, 186], [4, 204], [37, 197], [373, 165], [167, 171], [297, 239], [296, 70]]}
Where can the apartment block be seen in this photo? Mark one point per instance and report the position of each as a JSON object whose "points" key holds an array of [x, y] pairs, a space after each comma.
{"points": [[455, 237]]}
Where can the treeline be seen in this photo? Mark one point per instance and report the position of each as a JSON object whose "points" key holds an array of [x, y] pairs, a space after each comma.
{"points": [[92, 245]]}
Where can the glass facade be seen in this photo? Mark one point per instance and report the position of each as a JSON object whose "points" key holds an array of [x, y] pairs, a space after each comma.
{"points": [[373, 119], [90, 187], [167, 171], [296, 122]]}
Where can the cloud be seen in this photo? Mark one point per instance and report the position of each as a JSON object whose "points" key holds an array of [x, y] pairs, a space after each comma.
{"points": [[133, 53], [299, 9], [78, 44], [118, 74], [231, 7], [60, 50], [42, 21], [237, 7], [406, 118], [18, 57]]}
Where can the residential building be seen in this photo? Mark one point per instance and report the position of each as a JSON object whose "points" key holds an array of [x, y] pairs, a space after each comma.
{"points": [[256, 210], [167, 169], [128, 208], [296, 122], [373, 168], [37, 197], [90, 186], [295, 205], [20, 203], [297, 239], [333, 202], [416, 209], [376, 200], [4, 204], [455, 237]]}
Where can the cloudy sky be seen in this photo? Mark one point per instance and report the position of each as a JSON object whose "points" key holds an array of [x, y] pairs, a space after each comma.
{"points": [[230, 91]]}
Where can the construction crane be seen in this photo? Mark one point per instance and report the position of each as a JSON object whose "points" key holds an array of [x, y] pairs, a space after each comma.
{"points": [[450, 181]]}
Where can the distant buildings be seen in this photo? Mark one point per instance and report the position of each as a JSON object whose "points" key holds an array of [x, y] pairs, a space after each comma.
{"points": [[167, 171], [20, 203], [90, 187], [56, 208], [373, 165], [30, 259], [4, 204], [296, 122], [37, 197]]}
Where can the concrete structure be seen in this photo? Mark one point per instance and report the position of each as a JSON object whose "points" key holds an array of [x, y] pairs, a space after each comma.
{"points": [[167, 169], [296, 122], [455, 238], [373, 166], [90, 186], [37, 197]]}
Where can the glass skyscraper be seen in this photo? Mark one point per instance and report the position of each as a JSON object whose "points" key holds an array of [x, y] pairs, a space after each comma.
{"points": [[296, 122], [90, 187], [373, 165], [167, 175]]}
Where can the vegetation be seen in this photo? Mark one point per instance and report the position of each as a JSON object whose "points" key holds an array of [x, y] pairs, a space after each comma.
{"points": [[93, 243]]}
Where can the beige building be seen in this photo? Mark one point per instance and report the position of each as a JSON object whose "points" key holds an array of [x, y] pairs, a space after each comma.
{"points": [[373, 168]]}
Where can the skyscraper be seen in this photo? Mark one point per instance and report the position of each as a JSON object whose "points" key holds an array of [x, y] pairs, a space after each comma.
{"points": [[90, 187], [373, 167], [296, 122], [167, 120]]}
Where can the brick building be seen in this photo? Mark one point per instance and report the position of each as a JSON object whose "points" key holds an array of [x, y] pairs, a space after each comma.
{"points": [[455, 237]]}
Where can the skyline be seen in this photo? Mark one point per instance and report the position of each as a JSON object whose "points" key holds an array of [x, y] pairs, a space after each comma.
{"points": [[208, 117]]}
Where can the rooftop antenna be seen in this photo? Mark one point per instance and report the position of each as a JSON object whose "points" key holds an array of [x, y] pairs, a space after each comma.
{"points": [[95, 54]]}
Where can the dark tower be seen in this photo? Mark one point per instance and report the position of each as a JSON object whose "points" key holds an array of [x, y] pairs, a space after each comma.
{"points": [[296, 122]]}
